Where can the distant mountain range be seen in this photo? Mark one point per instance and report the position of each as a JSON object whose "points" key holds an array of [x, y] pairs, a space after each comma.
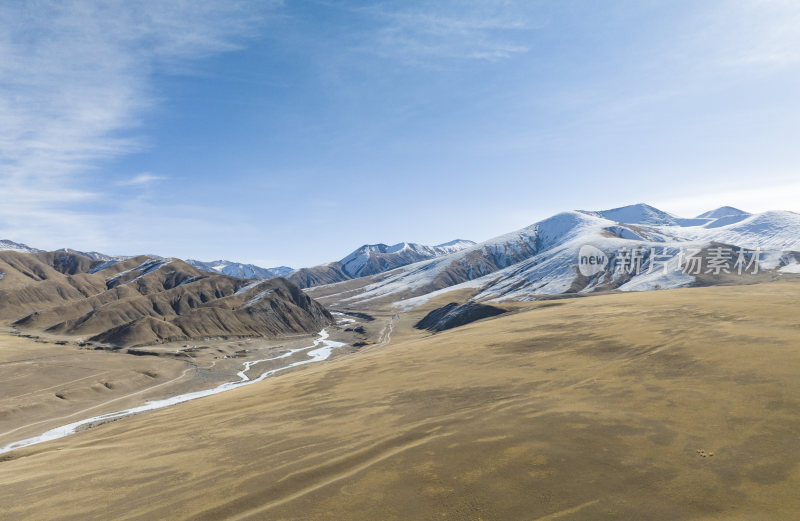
{"points": [[237, 269], [541, 260], [129, 301], [369, 259], [6, 245], [145, 300], [372, 259], [537, 261]]}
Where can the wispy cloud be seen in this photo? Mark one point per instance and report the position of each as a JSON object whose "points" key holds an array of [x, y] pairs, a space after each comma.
{"points": [[465, 30], [75, 82], [142, 179], [747, 33]]}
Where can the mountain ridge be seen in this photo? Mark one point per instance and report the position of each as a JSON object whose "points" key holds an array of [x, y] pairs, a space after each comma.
{"points": [[145, 300], [540, 260], [373, 259], [8, 245], [240, 270]]}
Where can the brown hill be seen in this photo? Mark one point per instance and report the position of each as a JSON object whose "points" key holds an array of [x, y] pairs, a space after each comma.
{"points": [[319, 275], [145, 300], [660, 406]]}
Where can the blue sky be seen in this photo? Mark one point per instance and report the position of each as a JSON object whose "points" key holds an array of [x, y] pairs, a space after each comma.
{"points": [[292, 132]]}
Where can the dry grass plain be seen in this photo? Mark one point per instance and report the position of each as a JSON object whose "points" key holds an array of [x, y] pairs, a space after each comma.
{"points": [[48, 381], [44, 384], [670, 405]]}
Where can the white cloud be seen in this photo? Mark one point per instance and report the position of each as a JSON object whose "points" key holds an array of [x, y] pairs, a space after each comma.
{"points": [[76, 81]]}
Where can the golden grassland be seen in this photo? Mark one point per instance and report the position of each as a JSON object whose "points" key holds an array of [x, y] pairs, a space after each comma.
{"points": [[45, 385], [47, 381], [667, 405]]}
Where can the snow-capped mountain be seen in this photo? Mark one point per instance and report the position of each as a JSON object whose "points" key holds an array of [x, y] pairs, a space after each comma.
{"points": [[542, 259], [637, 214], [95, 255], [373, 259], [647, 215], [454, 246], [775, 236], [6, 245], [242, 271], [474, 264], [723, 211], [103, 261], [773, 230]]}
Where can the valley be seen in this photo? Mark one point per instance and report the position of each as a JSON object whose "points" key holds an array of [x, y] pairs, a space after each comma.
{"points": [[282, 360], [50, 384], [486, 260], [676, 404], [473, 381]]}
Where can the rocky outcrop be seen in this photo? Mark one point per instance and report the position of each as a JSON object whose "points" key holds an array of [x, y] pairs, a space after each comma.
{"points": [[454, 315]]}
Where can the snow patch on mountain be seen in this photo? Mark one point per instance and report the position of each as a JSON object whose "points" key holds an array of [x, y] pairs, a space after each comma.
{"points": [[239, 270], [95, 255], [371, 259], [248, 287], [541, 259], [143, 269], [773, 230], [454, 246], [258, 298], [723, 211], [6, 245], [637, 214]]}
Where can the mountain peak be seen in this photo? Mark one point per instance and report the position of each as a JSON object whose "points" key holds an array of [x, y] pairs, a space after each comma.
{"points": [[371, 259], [6, 245], [640, 213], [722, 211], [456, 243], [239, 270], [94, 255]]}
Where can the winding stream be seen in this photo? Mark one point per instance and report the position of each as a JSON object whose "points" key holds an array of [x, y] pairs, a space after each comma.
{"points": [[319, 351]]}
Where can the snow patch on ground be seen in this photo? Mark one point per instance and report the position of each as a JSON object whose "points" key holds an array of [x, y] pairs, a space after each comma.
{"points": [[791, 268], [658, 280]]}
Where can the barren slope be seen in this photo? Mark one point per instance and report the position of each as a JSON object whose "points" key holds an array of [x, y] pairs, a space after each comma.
{"points": [[660, 405], [146, 300]]}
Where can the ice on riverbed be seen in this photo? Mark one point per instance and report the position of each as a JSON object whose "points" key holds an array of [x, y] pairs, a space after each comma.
{"points": [[342, 319], [320, 350]]}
